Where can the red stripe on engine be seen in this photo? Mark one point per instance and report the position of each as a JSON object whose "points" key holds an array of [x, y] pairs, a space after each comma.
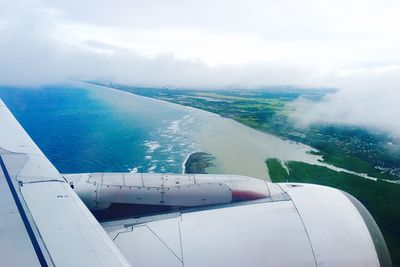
{"points": [[246, 195]]}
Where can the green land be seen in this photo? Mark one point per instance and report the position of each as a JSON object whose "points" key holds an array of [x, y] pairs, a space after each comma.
{"points": [[380, 198]]}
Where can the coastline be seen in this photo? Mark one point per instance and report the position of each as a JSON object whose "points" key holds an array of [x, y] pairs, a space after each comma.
{"points": [[162, 101], [219, 156]]}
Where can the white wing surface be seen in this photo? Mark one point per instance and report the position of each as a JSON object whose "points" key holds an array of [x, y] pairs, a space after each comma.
{"points": [[42, 220]]}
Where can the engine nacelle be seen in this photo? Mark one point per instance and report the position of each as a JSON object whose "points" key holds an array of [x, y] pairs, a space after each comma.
{"points": [[99, 190]]}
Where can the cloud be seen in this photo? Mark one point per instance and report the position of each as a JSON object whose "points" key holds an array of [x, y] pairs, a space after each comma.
{"points": [[369, 98], [252, 44], [40, 47], [350, 45]]}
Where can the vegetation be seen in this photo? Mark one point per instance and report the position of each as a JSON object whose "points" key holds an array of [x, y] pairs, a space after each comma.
{"points": [[198, 163], [356, 149], [380, 198], [277, 173]]}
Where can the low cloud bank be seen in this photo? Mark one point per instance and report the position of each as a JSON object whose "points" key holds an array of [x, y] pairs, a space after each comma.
{"points": [[31, 56], [370, 98]]}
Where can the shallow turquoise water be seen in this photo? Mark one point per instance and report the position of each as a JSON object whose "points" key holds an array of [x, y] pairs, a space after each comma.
{"points": [[91, 129]]}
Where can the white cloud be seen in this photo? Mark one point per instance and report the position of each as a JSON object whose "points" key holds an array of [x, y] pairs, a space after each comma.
{"points": [[369, 97], [351, 45], [315, 37]]}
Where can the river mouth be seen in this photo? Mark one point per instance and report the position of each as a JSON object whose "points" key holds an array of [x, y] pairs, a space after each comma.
{"points": [[218, 145], [233, 147], [241, 150]]}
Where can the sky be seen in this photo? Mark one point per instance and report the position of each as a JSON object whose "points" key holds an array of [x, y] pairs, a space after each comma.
{"points": [[351, 45]]}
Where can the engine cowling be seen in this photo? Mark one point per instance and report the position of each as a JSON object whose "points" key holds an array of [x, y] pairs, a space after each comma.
{"points": [[99, 190]]}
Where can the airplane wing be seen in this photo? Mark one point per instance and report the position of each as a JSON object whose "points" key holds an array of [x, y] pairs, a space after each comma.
{"points": [[42, 220]]}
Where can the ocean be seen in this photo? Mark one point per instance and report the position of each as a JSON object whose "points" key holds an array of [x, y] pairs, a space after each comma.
{"points": [[84, 128]]}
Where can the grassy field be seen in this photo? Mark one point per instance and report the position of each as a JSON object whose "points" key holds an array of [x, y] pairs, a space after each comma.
{"points": [[382, 199]]}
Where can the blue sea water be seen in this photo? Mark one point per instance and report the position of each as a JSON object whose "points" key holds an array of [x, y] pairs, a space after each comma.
{"points": [[84, 128]]}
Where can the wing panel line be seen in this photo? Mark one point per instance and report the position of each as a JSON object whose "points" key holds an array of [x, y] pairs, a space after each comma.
{"points": [[23, 215], [305, 229]]}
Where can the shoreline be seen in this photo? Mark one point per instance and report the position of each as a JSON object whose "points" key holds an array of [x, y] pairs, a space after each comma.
{"points": [[254, 130], [164, 102]]}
